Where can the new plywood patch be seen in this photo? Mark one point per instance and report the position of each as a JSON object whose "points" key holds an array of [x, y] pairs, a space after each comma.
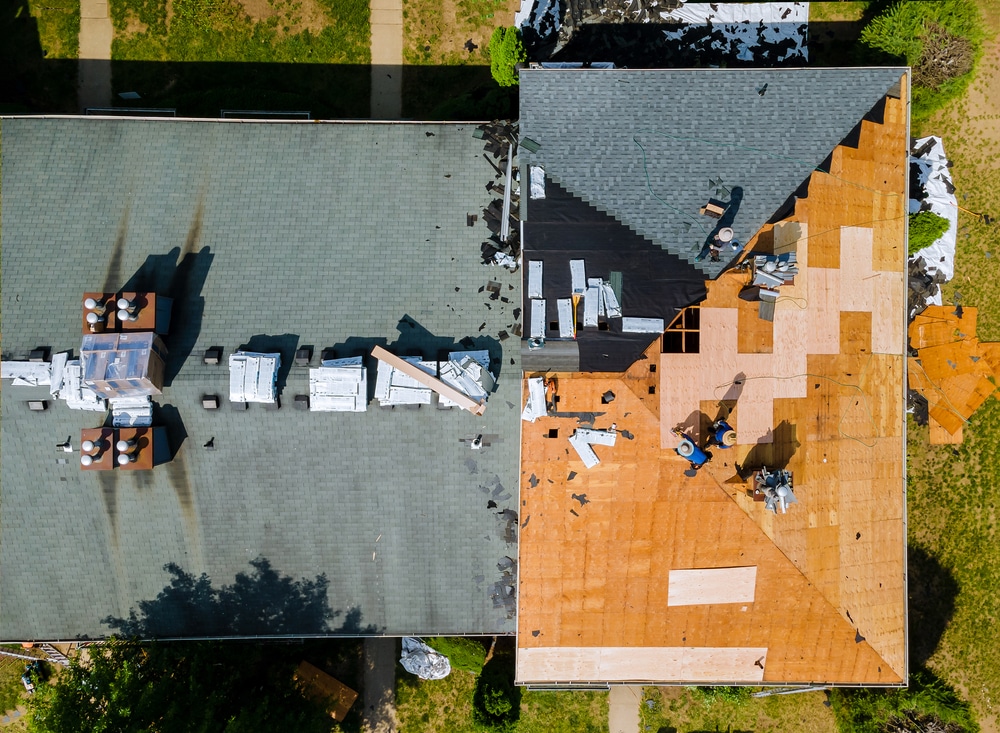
{"points": [[711, 585]]}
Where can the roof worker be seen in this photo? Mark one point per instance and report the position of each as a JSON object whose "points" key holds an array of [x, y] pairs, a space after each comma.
{"points": [[550, 394]]}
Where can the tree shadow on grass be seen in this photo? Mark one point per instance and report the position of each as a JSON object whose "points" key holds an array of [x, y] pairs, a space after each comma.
{"points": [[262, 602], [931, 590]]}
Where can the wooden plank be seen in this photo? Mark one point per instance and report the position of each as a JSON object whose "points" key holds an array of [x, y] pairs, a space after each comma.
{"points": [[418, 375], [711, 585]]}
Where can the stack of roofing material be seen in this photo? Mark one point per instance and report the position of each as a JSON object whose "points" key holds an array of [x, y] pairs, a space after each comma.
{"points": [[535, 407], [26, 373], [77, 395], [952, 369], [131, 412], [582, 440], [395, 387], [123, 364], [253, 377], [468, 372], [339, 385]]}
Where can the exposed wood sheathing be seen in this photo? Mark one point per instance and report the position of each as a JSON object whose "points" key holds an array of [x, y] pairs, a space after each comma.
{"points": [[819, 391]]}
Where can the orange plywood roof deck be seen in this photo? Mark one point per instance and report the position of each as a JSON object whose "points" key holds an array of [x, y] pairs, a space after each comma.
{"points": [[819, 391]]}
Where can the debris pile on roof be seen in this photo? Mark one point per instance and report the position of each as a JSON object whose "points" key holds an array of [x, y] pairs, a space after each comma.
{"points": [[931, 189], [952, 369], [465, 380], [339, 385], [253, 377], [502, 591], [501, 216], [419, 659]]}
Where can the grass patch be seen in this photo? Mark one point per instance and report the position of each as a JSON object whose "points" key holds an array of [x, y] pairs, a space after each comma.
{"points": [[941, 40], [37, 55], [684, 710], [431, 706], [200, 56], [463, 653], [960, 534], [11, 689]]}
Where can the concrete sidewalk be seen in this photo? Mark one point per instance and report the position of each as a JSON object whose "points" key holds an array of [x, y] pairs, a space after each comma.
{"points": [[387, 59], [623, 709], [380, 685], [94, 78]]}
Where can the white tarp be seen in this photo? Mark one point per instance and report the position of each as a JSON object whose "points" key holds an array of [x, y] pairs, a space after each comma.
{"points": [[393, 387], [339, 385], [935, 180], [535, 407], [26, 373], [537, 181], [745, 24], [419, 659], [77, 395], [545, 16], [252, 376]]}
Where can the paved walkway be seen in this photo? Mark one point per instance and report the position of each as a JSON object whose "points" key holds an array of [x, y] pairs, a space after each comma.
{"points": [[387, 59], [623, 709], [94, 81], [380, 685]]}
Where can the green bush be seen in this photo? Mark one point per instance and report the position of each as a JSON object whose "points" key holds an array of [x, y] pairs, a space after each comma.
{"points": [[506, 52], [496, 702], [941, 40], [465, 654], [734, 695], [925, 228], [927, 704]]}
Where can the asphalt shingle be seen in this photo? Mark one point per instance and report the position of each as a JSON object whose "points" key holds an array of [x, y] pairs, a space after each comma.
{"points": [[320, 233]]}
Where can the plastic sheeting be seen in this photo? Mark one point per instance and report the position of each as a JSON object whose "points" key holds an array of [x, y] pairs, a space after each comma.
{"points": [[26, 373], [934, 180], [419, 659], [744, 27]]}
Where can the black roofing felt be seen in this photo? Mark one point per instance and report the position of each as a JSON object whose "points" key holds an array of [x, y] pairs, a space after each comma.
{"points": [[655, 284], [651, 147]]}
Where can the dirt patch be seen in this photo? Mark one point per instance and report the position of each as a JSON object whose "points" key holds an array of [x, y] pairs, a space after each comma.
{"points": [[292, 16], [134, 26], [440, 31]]}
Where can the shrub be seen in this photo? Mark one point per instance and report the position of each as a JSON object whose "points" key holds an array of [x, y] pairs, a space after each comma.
{"points": [[506, 52], [496, 702], [925, 229], [465, 654], [942, 41], [928, 704]]}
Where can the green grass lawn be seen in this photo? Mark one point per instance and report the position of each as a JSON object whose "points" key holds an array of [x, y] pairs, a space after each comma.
{"points": [[954, 492], [201, 56], [686, 710], [431, 706], [39, 41]]}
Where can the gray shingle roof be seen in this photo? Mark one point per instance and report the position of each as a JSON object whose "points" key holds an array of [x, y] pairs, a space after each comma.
{"points": [[651, 147], [324, 232]]}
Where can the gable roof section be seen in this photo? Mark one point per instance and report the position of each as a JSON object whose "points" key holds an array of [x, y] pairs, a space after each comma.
{"points": [[651, 147], [310, 234], [819, 390]]}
